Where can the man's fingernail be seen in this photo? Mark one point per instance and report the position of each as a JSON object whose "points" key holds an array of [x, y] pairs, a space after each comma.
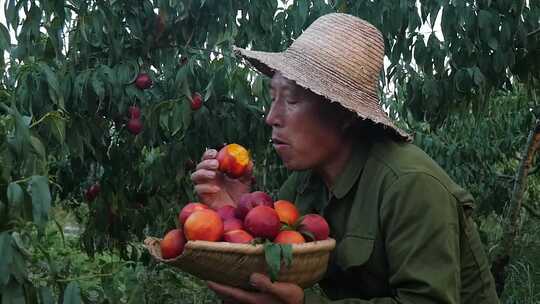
{"points": [[214, 163]]}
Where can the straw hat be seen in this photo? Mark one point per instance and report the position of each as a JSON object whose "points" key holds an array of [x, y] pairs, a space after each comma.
{"points": [[339, 57]]}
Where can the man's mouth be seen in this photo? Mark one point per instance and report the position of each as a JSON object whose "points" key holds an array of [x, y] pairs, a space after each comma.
{"points": [[277, 141]]}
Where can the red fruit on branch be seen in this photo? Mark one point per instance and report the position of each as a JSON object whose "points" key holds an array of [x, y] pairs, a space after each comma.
{"points": [[135, 126], [92, 192], [196, 101], [143, 81], [134, 112]]}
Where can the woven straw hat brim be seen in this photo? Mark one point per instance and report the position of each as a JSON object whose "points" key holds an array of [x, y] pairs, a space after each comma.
{"points": [[335, 64]]}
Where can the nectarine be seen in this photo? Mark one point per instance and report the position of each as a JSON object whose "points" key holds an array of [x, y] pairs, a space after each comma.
{"points": [[286, 211], [315, 225], [289, 237], [250, 200], [232, 224], [233, 160], [237, 236], [188, 210], [204, 225], [172, 244], [226, 212], [262, 221]]}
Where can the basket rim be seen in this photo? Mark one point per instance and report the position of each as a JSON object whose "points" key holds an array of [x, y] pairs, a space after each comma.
{"points": [[246, 249]]}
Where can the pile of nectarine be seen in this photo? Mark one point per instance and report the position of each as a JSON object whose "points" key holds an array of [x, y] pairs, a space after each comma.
{"points": [[256, 218]]}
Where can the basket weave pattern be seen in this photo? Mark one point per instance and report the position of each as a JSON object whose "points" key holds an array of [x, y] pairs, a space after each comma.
{"points": [[232, 264]]}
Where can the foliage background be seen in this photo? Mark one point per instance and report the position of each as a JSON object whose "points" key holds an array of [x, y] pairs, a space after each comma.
{"points": [[67, 82]]}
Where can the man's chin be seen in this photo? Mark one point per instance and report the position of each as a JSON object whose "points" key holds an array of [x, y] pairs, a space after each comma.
{"points": [[294, 166]]}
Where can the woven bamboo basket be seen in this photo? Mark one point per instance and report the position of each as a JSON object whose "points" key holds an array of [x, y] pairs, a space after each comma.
{"points": [[232, 264]]}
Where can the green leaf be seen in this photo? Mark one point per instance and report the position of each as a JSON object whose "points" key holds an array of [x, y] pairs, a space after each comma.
{"points": [[13, 294], [58, 126], [5, 39], [12, 16], [303, 10], [286, 253], [478, 77], [72, 294], [18, 266], [54, 85], [98, 85], [186, 114], [6, 254], [15, 194], [38, 147], [177, 116], [484, 19], [272, 255], [41, 200], [45, 295]]}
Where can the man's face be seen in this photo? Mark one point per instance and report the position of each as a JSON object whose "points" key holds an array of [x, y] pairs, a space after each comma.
{"points": [[301, 134]]}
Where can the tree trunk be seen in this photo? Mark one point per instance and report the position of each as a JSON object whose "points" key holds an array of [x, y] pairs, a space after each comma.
{"points": [[511, 225]]}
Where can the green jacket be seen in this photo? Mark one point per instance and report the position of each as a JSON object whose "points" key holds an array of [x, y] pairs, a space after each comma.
{"points": [[403, 230]]}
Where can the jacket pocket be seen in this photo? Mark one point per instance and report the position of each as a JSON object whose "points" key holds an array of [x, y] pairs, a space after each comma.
{"points": [[354, 251]]}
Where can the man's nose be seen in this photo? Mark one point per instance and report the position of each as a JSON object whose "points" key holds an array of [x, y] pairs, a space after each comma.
{"points": [[272, 117]]}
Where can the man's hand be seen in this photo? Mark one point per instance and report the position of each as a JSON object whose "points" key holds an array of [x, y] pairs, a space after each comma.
{"points": [[268, 292], [216, 189]]}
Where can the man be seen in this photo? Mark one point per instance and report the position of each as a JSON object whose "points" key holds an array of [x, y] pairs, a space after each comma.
{"points": [[402, 226]]}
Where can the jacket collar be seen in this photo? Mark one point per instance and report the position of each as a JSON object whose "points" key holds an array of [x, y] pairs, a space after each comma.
{"points": [[355, 165]]}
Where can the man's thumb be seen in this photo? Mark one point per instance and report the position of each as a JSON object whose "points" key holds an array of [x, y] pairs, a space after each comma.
{"points": [[283, 291]]}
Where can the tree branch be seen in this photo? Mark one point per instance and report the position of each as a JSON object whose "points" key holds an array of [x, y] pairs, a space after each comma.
{"points": [[536, 31], [511, 225]]}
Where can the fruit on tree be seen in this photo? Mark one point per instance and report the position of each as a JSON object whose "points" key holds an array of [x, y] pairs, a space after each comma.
{"points": [[289, 237], [92, 192], [172, 244], [196, 101], [204, 225], [262, 221], [134, 112], [314, 225], [237, 236], [233, 160], [286, 211], [143, 81], [135, 126], [188, 209], [250, 200]]}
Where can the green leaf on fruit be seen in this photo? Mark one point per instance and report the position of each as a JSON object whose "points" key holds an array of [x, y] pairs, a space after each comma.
{"points": [[286, 254], [308, 235], [272, 255], [276, 255]]}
